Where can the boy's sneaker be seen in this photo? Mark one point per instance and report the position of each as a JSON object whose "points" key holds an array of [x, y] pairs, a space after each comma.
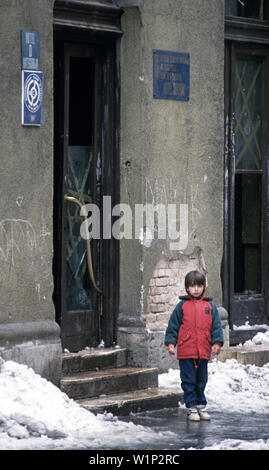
{"points": [[192, 414], [203, 413]]}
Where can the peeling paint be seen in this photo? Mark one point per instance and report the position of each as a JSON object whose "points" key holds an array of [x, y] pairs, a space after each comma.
{"points": [[142, 291], [145, 237], [19, 201], [38, 291]]}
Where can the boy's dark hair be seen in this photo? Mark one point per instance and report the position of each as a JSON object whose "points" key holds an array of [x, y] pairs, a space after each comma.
{"points": [[194, 278]]}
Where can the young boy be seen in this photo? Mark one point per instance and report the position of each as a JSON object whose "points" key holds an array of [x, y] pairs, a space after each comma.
{"points": [[195, 327]]}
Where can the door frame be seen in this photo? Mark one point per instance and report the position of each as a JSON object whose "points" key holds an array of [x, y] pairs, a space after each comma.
{"points": [[74, 22], [244, 34]]}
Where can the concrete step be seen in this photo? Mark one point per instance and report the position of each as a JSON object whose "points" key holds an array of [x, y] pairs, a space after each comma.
{"points": [[257, 355], [108, 381], [137, 401], [94, 359], [100, 380]]}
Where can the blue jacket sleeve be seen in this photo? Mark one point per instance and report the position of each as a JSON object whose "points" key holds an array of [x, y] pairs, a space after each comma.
{"points": [[174, 325], [216, 332]]}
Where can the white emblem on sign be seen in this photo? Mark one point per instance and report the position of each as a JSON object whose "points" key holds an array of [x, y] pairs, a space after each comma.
{"points": [[33, 92]]}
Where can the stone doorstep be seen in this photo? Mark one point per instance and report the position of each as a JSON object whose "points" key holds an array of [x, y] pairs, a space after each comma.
{"points": [[257, 355], [94, 359], [89, 375], [137, 401], [93, 384]]}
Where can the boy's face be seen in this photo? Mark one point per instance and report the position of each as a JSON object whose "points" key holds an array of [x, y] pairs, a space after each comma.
{"points": [[196, 290]]}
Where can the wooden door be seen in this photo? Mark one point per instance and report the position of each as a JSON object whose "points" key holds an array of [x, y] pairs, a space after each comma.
{"points": [[246, 183], [85, 170]]}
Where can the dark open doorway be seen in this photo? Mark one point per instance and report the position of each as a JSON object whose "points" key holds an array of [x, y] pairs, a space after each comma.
{"points": [[85, 168], [246, 237]]}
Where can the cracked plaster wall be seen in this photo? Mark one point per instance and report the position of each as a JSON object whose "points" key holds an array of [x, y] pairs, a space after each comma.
{"points": [[28, 332], [171, 153]]}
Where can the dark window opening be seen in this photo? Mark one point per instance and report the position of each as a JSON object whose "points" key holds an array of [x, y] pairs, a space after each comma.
{"points": [[247, 233], [255, 9], [81, 101]]}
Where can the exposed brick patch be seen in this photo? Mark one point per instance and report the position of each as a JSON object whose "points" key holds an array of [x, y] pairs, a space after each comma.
{"points": [[167, 284]]}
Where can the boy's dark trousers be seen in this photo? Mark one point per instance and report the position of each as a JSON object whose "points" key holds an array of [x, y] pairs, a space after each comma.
{"points": [[193, 374]]}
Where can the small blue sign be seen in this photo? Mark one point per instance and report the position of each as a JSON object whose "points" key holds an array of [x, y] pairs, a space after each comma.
{"points": [[171, 75], [30, 50], [32, 92]]}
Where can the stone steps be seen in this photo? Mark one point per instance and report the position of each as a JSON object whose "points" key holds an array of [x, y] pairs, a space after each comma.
{"points": [[93, 384], [257, 355], [94, 359], [140, 400], [100, 380]]}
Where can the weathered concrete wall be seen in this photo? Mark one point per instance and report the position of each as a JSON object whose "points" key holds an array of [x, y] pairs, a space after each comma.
{"points": [[28, 331], [171, 152]]}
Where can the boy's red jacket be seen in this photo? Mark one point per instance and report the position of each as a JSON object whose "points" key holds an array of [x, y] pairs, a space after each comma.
{"points": [[194, 326]]}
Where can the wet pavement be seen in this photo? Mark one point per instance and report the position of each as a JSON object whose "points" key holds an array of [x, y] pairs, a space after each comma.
{"points": [[247, 427]]}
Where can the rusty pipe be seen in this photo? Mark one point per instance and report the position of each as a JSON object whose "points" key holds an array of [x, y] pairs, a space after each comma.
{"points": [[89, 255]]}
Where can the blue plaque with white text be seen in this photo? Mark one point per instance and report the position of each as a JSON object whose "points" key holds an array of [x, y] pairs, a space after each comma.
{"points": [[171, 75], [30, 50]]}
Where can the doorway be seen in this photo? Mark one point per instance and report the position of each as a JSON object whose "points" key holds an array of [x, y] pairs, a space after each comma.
{"points": [[85, 170], [246, 183]]}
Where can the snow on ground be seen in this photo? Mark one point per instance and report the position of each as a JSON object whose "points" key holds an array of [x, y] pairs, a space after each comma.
{"points": [[247, 326], [34, 414], [259, 338], [231, 386], [237, 444]]}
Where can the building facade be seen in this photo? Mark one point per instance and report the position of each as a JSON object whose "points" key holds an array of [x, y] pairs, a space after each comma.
{"points": [[121, 106]]}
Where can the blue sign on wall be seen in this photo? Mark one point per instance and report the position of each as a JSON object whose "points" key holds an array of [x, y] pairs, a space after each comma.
{"points": [[171, 75], [32, 92], [29, 50]]}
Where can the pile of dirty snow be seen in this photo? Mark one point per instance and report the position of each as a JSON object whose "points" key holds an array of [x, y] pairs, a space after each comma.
{"points": [[231, 386], [259, 338], [35, 414], [236, 387]]}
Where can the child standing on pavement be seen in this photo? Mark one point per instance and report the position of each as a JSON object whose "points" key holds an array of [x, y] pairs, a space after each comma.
{"points": [[195, 327]]}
